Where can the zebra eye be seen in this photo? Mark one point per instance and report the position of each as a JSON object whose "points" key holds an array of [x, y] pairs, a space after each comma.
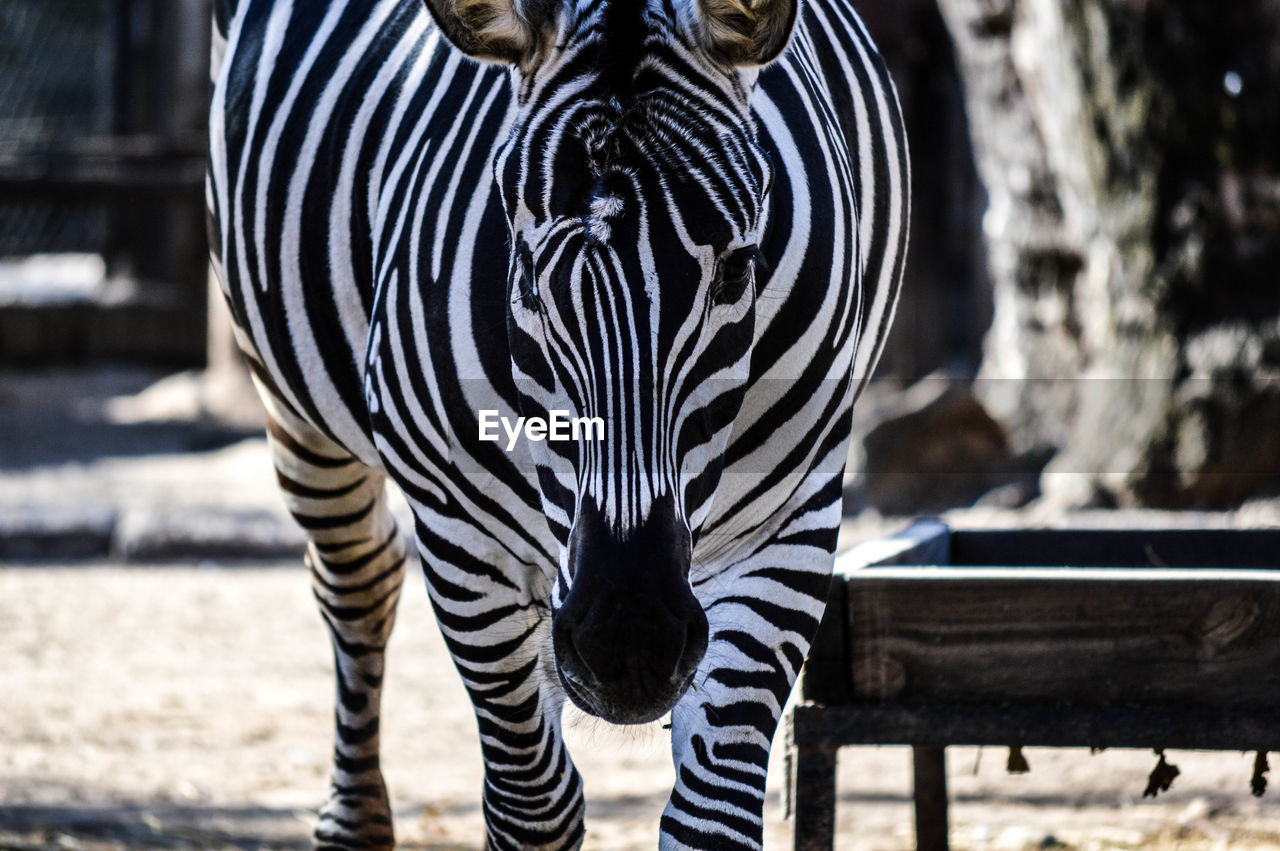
{"points": [[733, 274]]}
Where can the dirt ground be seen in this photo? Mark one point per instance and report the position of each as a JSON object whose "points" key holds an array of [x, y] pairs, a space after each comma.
{"points": [[189, 706]]}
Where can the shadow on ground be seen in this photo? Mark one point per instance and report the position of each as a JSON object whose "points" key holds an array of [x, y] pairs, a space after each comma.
{"points": [[167, 825], [56, 417], [37, 442], [152, 826]]}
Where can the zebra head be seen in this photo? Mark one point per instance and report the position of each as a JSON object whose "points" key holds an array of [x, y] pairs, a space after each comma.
{"points": [[635, 191]]}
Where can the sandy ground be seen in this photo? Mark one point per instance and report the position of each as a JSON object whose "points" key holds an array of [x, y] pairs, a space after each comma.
{"points": [[189, 706]]}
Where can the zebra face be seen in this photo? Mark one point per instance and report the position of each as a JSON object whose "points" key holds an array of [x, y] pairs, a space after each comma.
{"points": [[635, 191]]}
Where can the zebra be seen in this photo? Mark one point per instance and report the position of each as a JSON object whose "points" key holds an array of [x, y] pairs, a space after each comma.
{"points": [[683, 219]]}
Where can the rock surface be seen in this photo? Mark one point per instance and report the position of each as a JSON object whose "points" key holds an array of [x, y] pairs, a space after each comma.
{"points": [[933, 447], [1129, 152]]}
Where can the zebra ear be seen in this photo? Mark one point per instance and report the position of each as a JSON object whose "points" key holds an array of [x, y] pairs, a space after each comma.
{"points": [[747, 32], [503, 31]]}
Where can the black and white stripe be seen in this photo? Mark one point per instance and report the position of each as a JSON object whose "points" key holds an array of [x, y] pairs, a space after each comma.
{"points": [[705, 255]]}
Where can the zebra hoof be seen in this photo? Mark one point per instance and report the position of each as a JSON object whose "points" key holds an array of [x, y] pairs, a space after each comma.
{"points": [[354, 819]]}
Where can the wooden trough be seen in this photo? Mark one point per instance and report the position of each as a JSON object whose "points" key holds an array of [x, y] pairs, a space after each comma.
{"points": [[1061, 638]]}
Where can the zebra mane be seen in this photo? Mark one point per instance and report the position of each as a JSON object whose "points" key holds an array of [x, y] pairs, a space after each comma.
{"points": [[623, 34], [601, 132], [629, 112], [651, 126]]}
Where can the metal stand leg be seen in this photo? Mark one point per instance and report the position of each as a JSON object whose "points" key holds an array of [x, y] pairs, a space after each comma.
{"points": [[931, 798], [813, 797]]}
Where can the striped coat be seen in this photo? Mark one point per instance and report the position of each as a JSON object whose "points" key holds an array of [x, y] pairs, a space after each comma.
{"points": [[388, 222]]}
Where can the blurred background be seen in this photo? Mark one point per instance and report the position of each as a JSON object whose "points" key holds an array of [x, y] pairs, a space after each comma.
{"points": [[1090, 323]]}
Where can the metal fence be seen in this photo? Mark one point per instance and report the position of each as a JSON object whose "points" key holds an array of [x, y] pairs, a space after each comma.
{"points": [[55, 84], [102, 116]]}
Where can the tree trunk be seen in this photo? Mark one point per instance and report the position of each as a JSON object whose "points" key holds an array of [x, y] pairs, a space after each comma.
{"points": [[1131, 151]]}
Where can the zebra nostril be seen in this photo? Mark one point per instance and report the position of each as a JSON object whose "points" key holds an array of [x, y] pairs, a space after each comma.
{"points": [[650, 647], [695, 641], [566, 652]]}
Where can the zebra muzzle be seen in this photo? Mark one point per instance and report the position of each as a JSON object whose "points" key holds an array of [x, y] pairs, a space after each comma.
{"points": [[630, 634]]}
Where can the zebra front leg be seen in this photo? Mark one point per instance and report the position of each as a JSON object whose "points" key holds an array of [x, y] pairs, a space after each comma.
{"points": [[357, 558], [501, 644], [761, 625], [532, 790]]}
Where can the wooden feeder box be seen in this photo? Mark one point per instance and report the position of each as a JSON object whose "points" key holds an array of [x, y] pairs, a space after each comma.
{"points": [[1094, 638]]}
